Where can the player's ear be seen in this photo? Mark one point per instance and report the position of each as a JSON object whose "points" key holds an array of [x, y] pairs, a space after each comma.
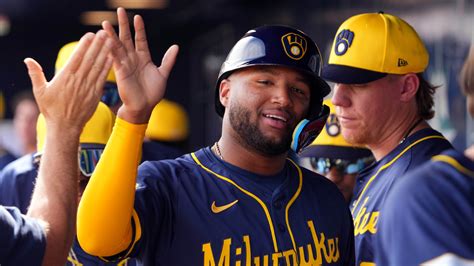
{"points": [[224, 92], [409, 87]]}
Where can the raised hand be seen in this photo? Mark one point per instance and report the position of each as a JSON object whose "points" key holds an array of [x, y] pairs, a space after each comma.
{"points": [[140, 82], [71, 97]]}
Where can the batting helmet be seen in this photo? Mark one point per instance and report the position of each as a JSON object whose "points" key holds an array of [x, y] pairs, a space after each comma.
{"points": [[277, 45], [168, 122]]}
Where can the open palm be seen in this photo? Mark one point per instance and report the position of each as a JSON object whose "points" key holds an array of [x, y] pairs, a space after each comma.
{"points": [[141, 83]]}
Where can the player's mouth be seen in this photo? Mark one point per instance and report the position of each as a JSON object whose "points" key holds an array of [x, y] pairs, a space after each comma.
{"points": [[346, 120], [278, 120]]}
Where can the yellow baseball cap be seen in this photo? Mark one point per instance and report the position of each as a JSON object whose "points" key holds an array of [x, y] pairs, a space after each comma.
{"points": [[168, 122], [369, 46], [96, 131], [66, 51], [331, 144]]}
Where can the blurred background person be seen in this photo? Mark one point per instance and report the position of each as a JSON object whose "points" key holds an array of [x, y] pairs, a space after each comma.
{"points": [[167, 132], [5, 156], [330, 155], [24, 121]]}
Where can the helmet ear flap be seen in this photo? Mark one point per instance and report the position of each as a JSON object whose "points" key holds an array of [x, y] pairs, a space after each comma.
{"points": [[307, 130]]}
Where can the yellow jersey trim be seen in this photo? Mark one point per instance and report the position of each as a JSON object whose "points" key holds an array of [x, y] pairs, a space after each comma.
{"points": [[451, 161], [292, 200], [264, 207], [385, 166]]}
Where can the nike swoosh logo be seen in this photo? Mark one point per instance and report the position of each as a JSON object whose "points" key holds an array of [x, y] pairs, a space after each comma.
{"points": [[218, 209]]}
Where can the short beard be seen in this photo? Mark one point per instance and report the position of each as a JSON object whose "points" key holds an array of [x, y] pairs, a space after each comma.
{"points": [[251, 137]]}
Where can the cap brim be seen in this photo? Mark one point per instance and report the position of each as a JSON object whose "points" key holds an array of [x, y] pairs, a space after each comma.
{"points": [[335, 152], [350, 75]]}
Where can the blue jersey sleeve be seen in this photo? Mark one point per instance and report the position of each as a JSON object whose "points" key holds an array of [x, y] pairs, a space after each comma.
{"points": [[429, 214], [23, 241]]}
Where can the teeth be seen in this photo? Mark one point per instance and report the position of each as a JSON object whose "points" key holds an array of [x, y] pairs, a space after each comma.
{"points": [[276, 117]]}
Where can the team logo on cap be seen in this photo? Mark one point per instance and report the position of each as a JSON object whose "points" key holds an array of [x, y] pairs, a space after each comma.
{"points": [[343, 41], [332, 126], [294, 45]]}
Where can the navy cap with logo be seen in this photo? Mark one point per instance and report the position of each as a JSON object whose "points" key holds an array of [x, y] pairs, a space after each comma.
{"points": [[277, 45]]}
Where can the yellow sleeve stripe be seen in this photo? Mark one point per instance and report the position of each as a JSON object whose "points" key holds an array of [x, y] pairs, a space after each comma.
{"points": [[297, 193], [451, 161]]}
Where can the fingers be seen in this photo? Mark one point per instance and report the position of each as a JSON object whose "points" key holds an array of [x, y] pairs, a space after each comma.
{"points": [[118, 51], [38, 80], [168, 60], [141, 43], [124, 29], [103, 75], [96, 58], [75, 60]]}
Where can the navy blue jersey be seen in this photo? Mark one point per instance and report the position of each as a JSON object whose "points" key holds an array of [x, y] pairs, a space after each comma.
{"points": [[199, 210], [155, 151], [374, 183], [17, 182], [23, 241], [5, 158], [16, 187], [431, 215]]}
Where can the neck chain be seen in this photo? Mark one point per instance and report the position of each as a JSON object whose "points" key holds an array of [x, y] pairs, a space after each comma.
{"points": [[409, 130], [217, 151]]}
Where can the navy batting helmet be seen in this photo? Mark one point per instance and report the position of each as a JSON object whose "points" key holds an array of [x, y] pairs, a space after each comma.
{"points": [[276, 45]]}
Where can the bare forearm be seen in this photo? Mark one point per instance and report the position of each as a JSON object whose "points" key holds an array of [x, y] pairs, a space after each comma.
{"points": [[56, 193]]}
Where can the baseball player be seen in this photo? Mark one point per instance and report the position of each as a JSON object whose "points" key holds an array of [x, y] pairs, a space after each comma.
{"points": [[382, 101], [239, 202], [45, 236], [330, 155], [431, 208], [167, 132]]}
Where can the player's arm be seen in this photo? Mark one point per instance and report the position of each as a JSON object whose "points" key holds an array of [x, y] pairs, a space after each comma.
{"points": [[67, 102], [106, 208], [105, 211]]}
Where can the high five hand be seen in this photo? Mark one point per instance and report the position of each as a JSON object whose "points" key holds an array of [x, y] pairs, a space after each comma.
{"points": [[71, 97], [140, 82]]}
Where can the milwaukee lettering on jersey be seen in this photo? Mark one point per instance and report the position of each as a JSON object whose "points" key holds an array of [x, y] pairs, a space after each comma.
{"points": [[322, 248], [365, 222]]}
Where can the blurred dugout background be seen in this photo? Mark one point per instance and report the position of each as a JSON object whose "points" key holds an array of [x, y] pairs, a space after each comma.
{"points": [[207, 29]]}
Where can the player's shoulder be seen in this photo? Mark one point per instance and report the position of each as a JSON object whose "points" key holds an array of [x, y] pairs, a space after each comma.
{"points": [[444, 175], [182, 167], [22, 166], [429, 142]]}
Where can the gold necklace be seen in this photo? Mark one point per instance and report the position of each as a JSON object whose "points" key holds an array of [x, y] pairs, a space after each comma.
{"points": [[217, 151]]}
